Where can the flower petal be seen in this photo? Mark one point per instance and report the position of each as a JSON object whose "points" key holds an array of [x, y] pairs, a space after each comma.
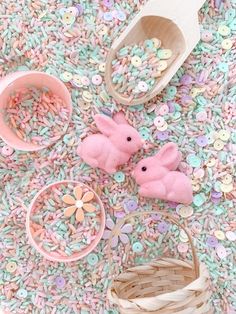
{"points": [[126, 228], [78, 192], [68, 199], [88, 196], [106, 234], [80, 214], [110, 223], [114, 241], [69, 211], [89, 208], [124, 238]]}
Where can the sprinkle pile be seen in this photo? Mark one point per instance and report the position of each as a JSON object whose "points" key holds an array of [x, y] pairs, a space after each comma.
{"points": [[63, 230], [36, 115], [137, 68], [196, 107]]}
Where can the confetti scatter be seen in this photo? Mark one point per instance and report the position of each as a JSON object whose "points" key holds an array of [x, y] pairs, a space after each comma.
{"points": [[36, 116], [136, 69], [198, 113]]}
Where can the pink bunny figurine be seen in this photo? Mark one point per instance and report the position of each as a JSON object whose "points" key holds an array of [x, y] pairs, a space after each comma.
{"points": [[113, 147], [157, 177]]}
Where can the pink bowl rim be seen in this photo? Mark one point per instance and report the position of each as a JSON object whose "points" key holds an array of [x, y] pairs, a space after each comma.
{"points": [[85, 251], [19, 76]]}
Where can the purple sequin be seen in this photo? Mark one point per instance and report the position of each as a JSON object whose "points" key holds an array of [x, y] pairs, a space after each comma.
{"points": [[162, 135], [186, 99], [163, 227], [215, 194], [215, 200], [119, 214], [60, 282], [156, 217], [202, 141], [108, 3], [80, 9], [186, 79], [171, 106], [130, 205], [217, 3], [212, 241]]}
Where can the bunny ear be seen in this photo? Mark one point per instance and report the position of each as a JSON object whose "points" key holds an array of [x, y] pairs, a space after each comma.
{"points": [[169, 156], [119, 118], [105, 124]]}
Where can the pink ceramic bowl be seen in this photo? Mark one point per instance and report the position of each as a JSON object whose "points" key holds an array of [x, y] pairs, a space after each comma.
{"points": [[17, 80], [76, 256]]}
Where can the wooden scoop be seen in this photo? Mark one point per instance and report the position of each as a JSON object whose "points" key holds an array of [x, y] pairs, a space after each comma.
{"points": [[175, 23]]}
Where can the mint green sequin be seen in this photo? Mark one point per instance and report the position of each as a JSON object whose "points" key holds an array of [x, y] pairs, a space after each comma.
{"points": [[137, 247], [223, 67], [230, 15], [219, 210], [201, 101], [145, 133], [199, 199], [92, 259], [119, 177], [149, 44], [217, 186], [194, 161], [232, 25], [177, 107], [171, 92], [233, 137]]}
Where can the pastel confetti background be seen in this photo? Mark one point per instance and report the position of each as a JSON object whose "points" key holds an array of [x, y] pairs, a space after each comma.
{"points": [[199, 109]]}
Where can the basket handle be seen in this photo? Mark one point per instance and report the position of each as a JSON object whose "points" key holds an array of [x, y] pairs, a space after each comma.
{"points": [[167, 217]]}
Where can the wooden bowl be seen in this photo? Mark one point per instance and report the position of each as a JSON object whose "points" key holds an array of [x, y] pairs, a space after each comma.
{"points": [[175, 23]]}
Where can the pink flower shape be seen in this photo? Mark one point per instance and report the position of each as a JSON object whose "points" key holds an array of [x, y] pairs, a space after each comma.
{"points": [[121, 234]]}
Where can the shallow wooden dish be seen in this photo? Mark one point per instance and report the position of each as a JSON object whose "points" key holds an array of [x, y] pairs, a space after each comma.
{"points": [[175, 23]]}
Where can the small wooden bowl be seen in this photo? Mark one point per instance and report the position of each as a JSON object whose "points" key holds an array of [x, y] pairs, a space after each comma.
{"points": [[175, 23]]}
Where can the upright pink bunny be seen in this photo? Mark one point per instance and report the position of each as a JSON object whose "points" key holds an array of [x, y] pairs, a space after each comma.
{"points": [[113, 147], [158, 179]]}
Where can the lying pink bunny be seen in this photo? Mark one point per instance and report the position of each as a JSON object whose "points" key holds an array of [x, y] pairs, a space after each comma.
{"points": [[157, 178], [113, 147]]}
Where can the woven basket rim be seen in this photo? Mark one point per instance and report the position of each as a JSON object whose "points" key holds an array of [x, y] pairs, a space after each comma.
{"points": [[193, 275], [202, 268]]}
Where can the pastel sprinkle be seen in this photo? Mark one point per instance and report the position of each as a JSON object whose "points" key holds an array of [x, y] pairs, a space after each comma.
{"points": [[136, 69], [34, 36], [36, 115]]}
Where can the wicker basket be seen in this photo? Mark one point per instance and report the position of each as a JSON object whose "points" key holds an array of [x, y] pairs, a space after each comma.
{"points": [[166, 286]]}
